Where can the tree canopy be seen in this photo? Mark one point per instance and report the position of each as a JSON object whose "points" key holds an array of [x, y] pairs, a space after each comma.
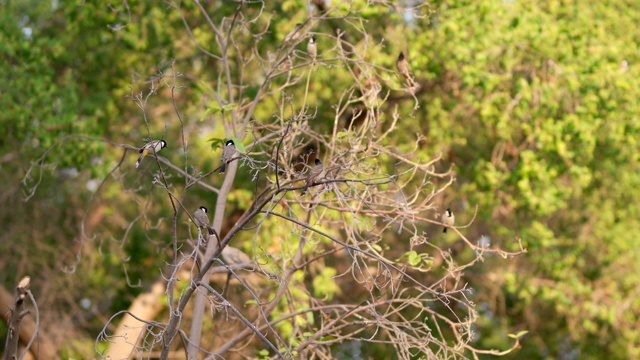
{"points": [[522, 118]]}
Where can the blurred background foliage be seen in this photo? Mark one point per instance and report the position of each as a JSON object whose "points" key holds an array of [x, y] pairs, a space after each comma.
{"points": [[535, 105]]}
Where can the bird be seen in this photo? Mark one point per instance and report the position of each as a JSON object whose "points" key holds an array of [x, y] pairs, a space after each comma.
{"points": [[151, 147], [447, 219], [314, 174], [228, 153], [312, 48], [403, 67], [294, 34], [372, 89], [235, 256], [201, 219]]}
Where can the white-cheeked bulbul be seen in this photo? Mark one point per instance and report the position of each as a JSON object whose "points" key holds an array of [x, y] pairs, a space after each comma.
{"points": [[152, 147], [312, 48], [235, 256], [228, 153], [201, 219], [448, 219]]}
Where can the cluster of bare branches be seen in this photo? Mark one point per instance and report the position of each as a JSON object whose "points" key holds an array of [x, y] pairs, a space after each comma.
{"points": [[369, 193]]}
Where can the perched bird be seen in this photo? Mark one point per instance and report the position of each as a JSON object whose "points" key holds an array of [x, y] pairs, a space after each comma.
{"points": [[235, 256], [448, 218], [312, 48], [201, 219], [403, 68], [294, 34], [151, 147], [314, 174], [372, 89], [228, 153]]}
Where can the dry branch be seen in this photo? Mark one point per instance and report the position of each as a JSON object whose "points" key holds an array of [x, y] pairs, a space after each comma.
{"points": [[21, 328]]}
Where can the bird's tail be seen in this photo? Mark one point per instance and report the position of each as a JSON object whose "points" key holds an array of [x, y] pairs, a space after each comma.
{"points": [[445, 230], [410, 81], [210, 229], [144, 153], [306, 186], [223, 167]]}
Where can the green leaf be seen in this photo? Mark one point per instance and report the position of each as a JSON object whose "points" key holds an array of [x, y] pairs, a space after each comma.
{"points": [[250, 302], [519, 335], [218, 143], [212, 108], [327, 338], [414, 258], [229, 107], [263, 353], [238, 143]]}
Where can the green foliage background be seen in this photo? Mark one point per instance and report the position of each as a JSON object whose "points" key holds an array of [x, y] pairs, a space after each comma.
{"points": [[535, 105]]}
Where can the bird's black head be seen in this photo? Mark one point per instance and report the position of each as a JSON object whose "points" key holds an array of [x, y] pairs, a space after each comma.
{"points": [[317, 161], [204, 209], [449, 213], [312, 39], [401, 56], [229, 142], [163, 144]]}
